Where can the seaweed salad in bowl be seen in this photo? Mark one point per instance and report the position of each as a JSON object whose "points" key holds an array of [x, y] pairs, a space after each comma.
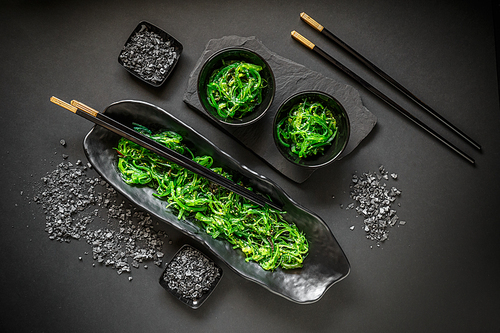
{"points": [[325, 262]]}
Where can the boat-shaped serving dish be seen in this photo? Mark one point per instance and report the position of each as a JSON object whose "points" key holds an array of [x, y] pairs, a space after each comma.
{"points": [[326, 263]]}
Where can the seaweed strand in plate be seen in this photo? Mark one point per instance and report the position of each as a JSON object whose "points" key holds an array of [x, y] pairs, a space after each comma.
{"points": [[235, 89], [261, 233], [308, 129]]}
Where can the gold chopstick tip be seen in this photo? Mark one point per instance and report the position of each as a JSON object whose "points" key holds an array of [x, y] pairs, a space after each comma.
{"points": [[302, 40], [84, 108], [63, 104], [309, 20]]}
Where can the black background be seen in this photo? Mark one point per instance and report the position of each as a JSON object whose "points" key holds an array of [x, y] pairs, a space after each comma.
{"points": [[438, 273]]}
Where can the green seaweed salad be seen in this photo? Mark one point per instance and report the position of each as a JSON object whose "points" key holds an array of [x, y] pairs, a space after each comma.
{"points": [[235, 89], [260, 232], [308, 129]]}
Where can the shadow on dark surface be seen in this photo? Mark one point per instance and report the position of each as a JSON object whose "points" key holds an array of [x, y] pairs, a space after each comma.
{"points": [[496, 22]]}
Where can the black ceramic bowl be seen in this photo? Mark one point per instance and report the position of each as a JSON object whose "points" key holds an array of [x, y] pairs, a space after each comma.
{"points": [[188, 270], [339, 143], [215, 62], [169, 54], [325, 264]]}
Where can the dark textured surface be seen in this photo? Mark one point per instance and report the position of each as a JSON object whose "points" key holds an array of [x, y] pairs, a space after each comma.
{"points": [[438, 273], [326, 263], [291, 78]]}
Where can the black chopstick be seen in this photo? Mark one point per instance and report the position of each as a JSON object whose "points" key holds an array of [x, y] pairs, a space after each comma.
{"points": [[173, 156], [386, 77], [378, 93]]}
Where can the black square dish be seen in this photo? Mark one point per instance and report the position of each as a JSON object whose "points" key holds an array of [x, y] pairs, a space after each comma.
{"points": [[191, 276], [150, 54]]}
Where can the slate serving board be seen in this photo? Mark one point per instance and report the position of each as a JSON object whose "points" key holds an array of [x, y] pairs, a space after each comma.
{"points": [[290, 78]]}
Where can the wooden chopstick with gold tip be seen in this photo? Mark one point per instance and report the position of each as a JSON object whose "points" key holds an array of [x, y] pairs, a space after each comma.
{"points": [[309, 20], [304, 41], [171, 155]]}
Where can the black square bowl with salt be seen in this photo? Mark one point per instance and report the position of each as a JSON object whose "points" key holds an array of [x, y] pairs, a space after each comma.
{"points": [[150, 54], [191, 276]]}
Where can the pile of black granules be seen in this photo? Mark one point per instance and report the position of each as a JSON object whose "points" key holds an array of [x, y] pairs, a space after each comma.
{"points": [[149, 56], [79, 206], [191, 274], [374, 201]]}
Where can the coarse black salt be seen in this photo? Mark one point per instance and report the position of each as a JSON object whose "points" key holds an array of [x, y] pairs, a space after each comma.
{"points": [[191, 276], [374, 202], [75, 203], [150, 54]]}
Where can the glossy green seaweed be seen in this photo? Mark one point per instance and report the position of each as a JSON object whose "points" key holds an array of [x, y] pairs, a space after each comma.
{"points": [[235, 89], [261, 233], [308, 129]]}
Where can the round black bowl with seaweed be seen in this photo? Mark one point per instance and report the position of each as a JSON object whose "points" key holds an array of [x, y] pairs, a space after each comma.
{"points": [[236, 86], [311, 129]]}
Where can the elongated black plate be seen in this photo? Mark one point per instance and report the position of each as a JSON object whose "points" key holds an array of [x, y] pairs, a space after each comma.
{"points": [[326, 263]]}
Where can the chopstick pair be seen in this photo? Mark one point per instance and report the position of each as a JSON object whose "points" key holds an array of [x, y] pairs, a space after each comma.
{"points": [[171, 155], [378, 93]]}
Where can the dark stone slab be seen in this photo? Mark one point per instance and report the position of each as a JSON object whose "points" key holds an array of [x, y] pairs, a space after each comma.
{"points": [[290, 78]]}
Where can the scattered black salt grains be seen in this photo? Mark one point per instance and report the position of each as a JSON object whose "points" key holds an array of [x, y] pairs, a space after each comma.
{"points": [[374, 202], [149, 56], [190, 274], [73, 203]]}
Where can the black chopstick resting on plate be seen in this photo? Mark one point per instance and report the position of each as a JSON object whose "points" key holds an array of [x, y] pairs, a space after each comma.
{"points": [[378, 93], [173, 156], [386, 77]]}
